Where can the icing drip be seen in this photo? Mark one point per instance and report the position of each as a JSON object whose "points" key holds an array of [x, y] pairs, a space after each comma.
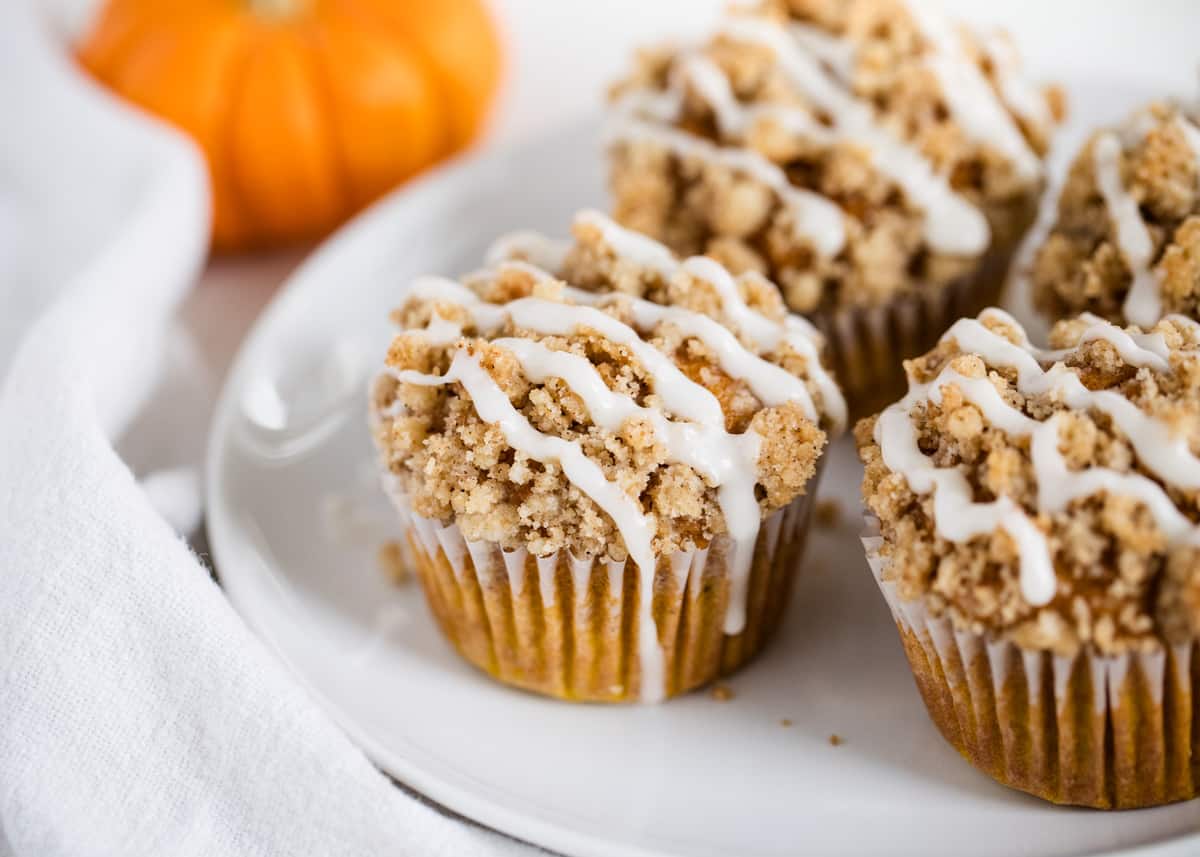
{"points": [[1143, 303], [1138, 128], [770, 383], [1166, 456], [1136, 349], [1191, 135], [816, 218], [440, 331], [634, 247], [952, 224], [958, 518], [836, 54], [1023, 98], [540, 250], [725, 460], [967, 92]]}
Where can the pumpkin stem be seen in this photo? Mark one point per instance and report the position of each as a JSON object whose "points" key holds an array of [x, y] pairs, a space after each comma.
{"points": [[277, 9]]}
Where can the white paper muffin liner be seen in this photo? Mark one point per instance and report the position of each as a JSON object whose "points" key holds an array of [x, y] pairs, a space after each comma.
{"points": [[867, 345], [569, 627], [1104, 732]]}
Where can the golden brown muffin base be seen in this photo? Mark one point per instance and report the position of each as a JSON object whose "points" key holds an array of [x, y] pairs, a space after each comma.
{"points": [[1101, 732], [866, 346], [581, 644]]}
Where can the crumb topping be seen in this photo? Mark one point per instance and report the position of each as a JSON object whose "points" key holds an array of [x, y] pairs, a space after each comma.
{"points": [[620, 403], [1111, 494], [817, 143], [1086, 264]]}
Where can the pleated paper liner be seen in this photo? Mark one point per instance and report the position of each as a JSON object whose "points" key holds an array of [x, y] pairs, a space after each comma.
{"points": [[867, 345], [568, 627], [1103, 732]]}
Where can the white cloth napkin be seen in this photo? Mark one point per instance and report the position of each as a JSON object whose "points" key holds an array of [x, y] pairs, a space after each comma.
{"points": [[138, 716]]}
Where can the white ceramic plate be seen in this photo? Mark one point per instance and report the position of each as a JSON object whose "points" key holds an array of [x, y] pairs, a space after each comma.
{"points": [[295, 518]]}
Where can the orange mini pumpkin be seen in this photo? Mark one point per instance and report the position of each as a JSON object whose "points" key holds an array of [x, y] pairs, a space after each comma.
{"points": [[306, 109]]}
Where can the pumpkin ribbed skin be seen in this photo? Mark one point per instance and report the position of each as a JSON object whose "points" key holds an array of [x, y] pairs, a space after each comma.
{"points": [[306, 109]]}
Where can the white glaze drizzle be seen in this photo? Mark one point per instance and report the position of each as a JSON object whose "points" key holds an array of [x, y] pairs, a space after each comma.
{"points": [[634, 247], [1024, 99], [1019, 94], [816, 218], [958, 518], [769, 382], [1168, 457], [1138, 128], [539, 249], [1143, 303], [968, 94], [440, 330], [1136, 349], [952, 224], [763, 333], [837, 54]]}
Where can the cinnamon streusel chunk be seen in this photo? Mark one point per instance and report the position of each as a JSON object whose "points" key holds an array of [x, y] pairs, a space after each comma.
{"points": [[1126, 245]]}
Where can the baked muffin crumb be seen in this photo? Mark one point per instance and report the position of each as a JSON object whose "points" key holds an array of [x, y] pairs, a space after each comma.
{"points": [[722, 693], [392, 563]]}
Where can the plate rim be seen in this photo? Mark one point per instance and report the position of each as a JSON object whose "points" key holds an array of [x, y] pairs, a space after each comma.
{"points": [[447, 796]]}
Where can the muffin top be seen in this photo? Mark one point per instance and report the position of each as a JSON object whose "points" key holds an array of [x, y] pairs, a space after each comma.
{"points": [[851, 150], [603, 398], [1048, 497], [1126, 245]]}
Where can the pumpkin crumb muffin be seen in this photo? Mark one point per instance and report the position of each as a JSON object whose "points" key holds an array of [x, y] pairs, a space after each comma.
{"points": [[876, 161], [603, 456], [1126, 245], [1039, 545]]}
